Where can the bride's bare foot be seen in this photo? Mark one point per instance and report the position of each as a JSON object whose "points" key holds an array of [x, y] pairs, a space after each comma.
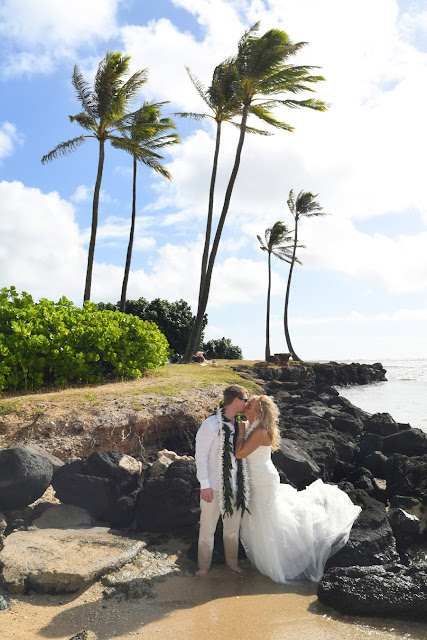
{"points": [[200, 573], [236, 568]]}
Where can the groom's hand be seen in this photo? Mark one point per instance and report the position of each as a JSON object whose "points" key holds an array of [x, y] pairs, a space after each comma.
{"points": [[206, 494]]}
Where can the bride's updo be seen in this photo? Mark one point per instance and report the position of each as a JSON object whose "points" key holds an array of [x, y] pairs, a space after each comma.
{"points": [[268, 415]]}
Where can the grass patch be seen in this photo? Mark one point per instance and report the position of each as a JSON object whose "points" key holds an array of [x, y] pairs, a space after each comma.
{"points": [[9, 406], [172, 380]]}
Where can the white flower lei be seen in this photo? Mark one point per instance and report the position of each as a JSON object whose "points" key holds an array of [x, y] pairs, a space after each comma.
{"points": [[245, 474]]}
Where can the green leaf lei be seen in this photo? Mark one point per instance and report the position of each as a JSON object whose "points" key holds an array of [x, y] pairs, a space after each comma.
{"points": [[225, 467]]}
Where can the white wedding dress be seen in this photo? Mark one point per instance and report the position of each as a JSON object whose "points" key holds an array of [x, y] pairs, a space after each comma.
{"points": [[290, 534]]}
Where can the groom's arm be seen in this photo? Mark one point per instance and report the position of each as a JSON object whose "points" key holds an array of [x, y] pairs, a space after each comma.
{"points": [[204, 439]]}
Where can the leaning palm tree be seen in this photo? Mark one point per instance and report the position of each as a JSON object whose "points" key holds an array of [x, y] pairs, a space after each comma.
{"points": [[142, 138], [303, 206], [105, 111], [262, 73], [277, 241], [221, 99]]}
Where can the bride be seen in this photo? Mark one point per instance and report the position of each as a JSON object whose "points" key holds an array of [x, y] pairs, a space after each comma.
{"points": [[287, 534]]}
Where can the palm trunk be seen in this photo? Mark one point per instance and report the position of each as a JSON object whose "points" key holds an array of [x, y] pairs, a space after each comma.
{"points": [[95, 205], [204, 294], [210, 209], [130, 245], [288, 288], [267, 322]]}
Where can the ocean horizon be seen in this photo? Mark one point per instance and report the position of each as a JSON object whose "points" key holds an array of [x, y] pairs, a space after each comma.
{"points": [[403, 395]]}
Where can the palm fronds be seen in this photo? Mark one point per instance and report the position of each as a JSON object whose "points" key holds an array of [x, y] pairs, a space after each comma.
{"points": [[64, 148]]}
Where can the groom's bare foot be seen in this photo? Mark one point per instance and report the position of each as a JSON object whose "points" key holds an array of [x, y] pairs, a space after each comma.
{"points": [[200, 573], [236, 568]]}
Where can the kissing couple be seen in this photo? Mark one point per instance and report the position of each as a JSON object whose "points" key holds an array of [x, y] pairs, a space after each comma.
{"points": [[287, 534]]}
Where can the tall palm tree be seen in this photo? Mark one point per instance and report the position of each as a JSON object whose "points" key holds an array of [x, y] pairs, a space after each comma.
{"points": [[221, 99], [142, 138], [262, 72], [105, 111], [303, 206], [276, 242]]}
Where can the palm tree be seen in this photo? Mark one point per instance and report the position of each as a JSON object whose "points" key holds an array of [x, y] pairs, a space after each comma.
{"points": [[142, 138], [262, 71], [105, 111], [221, 99], [303, 206], [276, 242]]}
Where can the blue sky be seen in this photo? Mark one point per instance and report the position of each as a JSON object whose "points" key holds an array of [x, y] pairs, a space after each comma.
{"points": [[361, 292]]}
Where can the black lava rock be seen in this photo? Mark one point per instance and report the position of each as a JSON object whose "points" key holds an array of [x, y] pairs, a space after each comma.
{"points": [[24, 477], [171, 500], [391, 591], [296, 464], [100, 485], [371, 540]]}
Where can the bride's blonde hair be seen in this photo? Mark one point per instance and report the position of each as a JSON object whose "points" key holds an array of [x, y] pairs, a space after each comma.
{"points": [[268, 415]]}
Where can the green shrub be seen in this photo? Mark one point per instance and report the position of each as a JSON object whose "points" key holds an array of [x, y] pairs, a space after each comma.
{"points": [[222, 349], [174, 319], [47, 343]]}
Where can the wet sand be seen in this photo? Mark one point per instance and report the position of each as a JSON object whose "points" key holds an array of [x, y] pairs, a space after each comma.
{"points": [[221, 606]]}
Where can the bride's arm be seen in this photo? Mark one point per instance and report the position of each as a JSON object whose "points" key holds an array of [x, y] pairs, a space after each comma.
{"points": [[244, 447]]}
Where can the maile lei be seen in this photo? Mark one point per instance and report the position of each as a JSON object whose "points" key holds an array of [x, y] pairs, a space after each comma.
{"points": [[225, 491]]}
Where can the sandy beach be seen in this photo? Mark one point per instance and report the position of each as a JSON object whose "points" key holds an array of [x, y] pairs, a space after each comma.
{"points": [[221, 606]]}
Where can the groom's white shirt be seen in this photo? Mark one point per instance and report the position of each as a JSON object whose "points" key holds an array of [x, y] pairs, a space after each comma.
{"points": [[207, 452]]}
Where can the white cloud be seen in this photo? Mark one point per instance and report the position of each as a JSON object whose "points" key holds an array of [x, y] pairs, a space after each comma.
{"points": [[9, 137], [365, 156], [398, 264], [41, 249], [82, 194], [47, 30]]}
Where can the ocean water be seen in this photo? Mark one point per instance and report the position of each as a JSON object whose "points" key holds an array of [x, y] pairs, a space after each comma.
{"points": [[403, 396]]}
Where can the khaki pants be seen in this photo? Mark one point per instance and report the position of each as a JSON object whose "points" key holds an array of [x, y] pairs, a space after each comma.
{"points": [[209, 515]]}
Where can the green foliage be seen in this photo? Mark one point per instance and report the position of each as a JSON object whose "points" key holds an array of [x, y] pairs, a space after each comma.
{"points": [[222, 349], [174, 319], [48, 343]]}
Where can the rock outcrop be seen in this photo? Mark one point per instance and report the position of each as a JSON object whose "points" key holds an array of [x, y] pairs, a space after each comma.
{"points": [[170, 500], [106, 484], [62, 560], [393, 591], [24, 477]]}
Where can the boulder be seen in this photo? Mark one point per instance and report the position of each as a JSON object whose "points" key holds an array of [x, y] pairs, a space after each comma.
{"points": [[382, 424], [407, 476], [55, 462], [24, 477], [406, 527], [344, 423], [103, 485], [62, 560], [136, 579], [164, 459], [412, 506], [411, 442], [377, 464], [170, 500], [63, 516], [392, 591], [368, 443], [296, 464], [330, 450], [371, 539]]}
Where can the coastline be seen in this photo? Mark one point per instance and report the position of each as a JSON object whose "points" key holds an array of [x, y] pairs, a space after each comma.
{"points": [[190, 606]]}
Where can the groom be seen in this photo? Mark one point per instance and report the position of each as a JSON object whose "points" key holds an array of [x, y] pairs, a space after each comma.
{"points": [[214, 437]]}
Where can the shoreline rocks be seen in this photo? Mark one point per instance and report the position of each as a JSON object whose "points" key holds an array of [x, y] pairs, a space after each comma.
{"points": [[380, 463]]}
